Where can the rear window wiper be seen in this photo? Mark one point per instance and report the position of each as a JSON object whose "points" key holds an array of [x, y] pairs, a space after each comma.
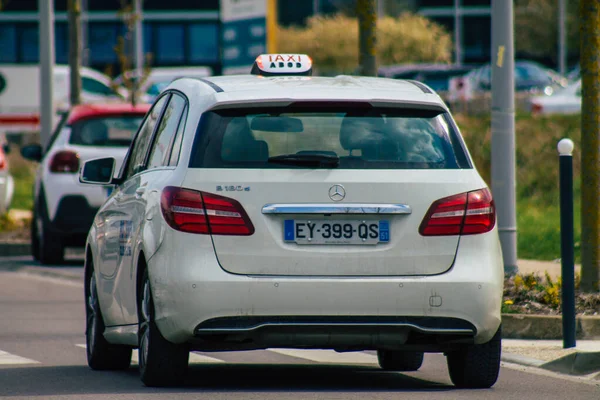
{"points": [[316, 160]]}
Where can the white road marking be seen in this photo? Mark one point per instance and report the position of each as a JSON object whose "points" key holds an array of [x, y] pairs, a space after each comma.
{"points": [[329, 356], [321, 356], [50, 279], [195, 358], [11, 359]]}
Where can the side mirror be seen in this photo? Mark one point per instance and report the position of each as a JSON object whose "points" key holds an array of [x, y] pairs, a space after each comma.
{"points": [[6, 148], [98, 171], [32, 152]]}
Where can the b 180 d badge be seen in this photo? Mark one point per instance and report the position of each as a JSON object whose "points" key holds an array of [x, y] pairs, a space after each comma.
{"points": [[231, 188]]}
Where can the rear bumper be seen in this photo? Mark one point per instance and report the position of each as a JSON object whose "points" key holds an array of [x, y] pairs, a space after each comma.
{"points": [[199, 303], [58, 187], [73, 219], [345, 333]]}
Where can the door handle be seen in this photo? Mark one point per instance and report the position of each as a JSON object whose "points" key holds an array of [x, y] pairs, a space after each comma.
{"points": [[139, 192]]}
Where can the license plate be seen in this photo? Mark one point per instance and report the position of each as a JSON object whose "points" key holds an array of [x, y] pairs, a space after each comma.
{"points": [[336, 232]]}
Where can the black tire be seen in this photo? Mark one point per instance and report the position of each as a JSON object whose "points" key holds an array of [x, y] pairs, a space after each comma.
{"points": [[35, 242], [476, 366], [101, 355], [162, 363], [400, 360], [50, 245]]}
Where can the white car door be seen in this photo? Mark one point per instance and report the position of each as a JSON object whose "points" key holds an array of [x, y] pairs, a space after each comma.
{"points": [[121, 217], [143, 196]]}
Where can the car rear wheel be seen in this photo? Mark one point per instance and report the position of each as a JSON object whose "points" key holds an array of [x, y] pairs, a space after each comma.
{"points": [[162, 363], [35, 242], [476, 366], [101, 355], [400, 360], [50, 247]]}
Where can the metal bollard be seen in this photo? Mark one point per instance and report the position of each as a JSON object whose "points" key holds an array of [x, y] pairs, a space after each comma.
{"points": [[565, 150]]}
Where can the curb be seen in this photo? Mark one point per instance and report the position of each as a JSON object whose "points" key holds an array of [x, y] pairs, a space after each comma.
{"points": [[521, 360], [547, 327], [15, 249], [580, 364]]}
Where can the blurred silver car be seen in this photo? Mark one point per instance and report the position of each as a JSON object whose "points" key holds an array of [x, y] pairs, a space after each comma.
{"points": [[529, 77], [564, 101]]}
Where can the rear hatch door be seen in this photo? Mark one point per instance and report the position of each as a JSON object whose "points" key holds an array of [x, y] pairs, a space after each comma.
{"points": [[332, 192]]}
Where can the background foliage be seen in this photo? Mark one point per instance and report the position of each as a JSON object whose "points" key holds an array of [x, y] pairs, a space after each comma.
{"points": [[536, 27], [332, 41]]}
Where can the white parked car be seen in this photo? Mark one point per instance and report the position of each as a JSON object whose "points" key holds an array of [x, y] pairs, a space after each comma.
{"points": [[63, 207], [265, 211], [7, 183], [20, 93], [564, 101]]}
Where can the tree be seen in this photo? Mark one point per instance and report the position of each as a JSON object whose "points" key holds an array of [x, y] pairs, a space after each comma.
{"points": [[590, 145], [367, 31], [75, 51], [125, 51], [536, 27]]}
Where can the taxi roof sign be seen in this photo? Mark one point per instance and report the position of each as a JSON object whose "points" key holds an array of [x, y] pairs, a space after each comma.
{"points": [[282, 64]]}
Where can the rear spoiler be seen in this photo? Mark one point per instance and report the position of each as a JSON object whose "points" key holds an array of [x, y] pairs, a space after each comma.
{"points": [[376, 103]]}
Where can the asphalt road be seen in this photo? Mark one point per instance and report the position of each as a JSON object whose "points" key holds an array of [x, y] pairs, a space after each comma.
{"points": [[42, 356]]}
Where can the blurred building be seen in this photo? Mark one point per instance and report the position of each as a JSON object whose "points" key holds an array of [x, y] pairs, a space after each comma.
{"points": [[474, 17], [188, 32], [176, 32]]}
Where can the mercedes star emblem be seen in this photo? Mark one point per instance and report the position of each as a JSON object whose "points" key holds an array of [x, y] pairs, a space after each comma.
{"points": [[337, 193]]}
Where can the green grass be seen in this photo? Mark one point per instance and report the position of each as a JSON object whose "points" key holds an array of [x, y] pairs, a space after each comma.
{"points": [[23, 173], [538, 230]]}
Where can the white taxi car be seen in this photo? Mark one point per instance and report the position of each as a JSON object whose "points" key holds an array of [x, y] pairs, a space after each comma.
{"points": [[63, 208], [281, 210]]}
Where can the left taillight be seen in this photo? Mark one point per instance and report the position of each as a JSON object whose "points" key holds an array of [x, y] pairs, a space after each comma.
{"points": [[462, 214], [193, 211], [65, 161]]}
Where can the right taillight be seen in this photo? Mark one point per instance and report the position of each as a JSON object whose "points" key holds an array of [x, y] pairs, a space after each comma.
{"points": [[65, 161], [193, 211], [2, 161], [462, 214]]}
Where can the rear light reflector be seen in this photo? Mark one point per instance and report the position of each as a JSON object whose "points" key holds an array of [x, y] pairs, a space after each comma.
{"points": [[192, 211], [462, 214], [65, 161]]}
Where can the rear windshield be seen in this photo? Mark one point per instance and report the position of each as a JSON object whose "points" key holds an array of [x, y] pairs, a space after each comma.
{"points": [[285, 137], [106, 131]]}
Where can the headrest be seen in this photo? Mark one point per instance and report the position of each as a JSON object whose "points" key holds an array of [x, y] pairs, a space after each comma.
{"points": [[359, 131], [239, 144], [238, 129]]}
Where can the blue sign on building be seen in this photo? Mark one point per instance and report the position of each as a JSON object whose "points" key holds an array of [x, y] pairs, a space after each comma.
{"points": [[243, 34]]}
